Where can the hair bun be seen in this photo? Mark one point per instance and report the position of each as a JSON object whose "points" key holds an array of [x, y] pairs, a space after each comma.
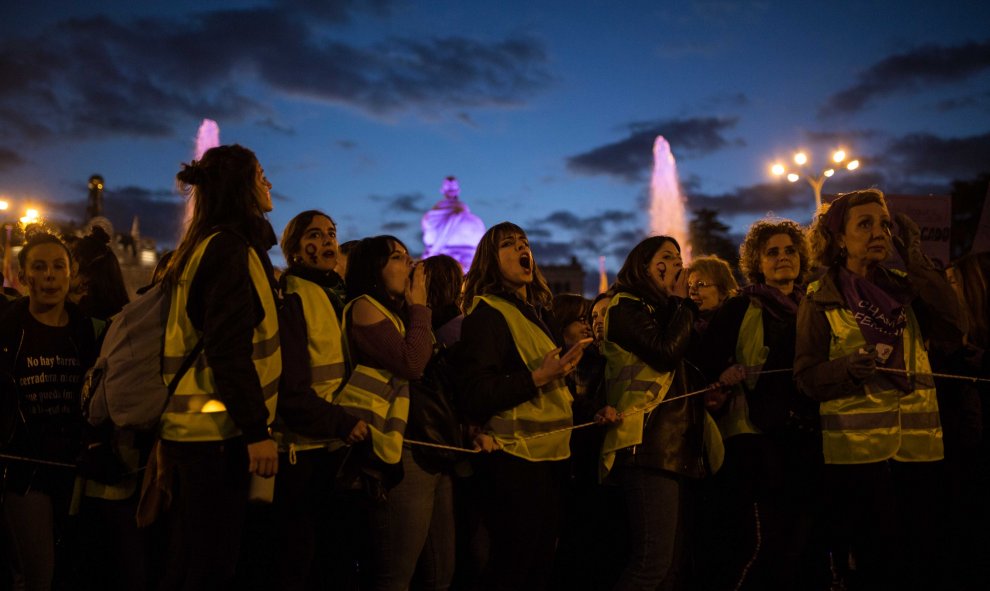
{"points": [[192, 173]]}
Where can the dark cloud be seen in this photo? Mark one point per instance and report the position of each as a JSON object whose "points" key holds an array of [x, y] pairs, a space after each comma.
{"points": [[979, 101], [346, 144], [9, 159], [631, 159], [548, 252], [924, 154], [921, 67], [273, 125], [562, 234], [338, 11], [778, 197], [390, 227], [404, 203], [94, 76]]}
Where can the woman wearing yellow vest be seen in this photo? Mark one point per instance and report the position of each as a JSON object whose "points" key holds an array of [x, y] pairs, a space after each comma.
{"points": [[390, 341], [215, 429], [861, 352], [512, 383], [312, 373], [771, 479], [652, 456]]}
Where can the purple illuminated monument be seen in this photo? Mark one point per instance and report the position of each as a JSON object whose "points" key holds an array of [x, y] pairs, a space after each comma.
{"points": [[667, 205], [450, 228]]}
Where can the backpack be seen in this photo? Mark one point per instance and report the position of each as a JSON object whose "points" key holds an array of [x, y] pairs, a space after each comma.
{"points": [[125, 384]]}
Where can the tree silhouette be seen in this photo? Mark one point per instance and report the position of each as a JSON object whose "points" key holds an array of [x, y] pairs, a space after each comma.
{"points": [[710, 236]]}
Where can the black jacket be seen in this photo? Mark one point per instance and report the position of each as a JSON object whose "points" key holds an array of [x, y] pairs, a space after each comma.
{"points": [[659, 333], [492, 375], [299, 408], [224, 306]]}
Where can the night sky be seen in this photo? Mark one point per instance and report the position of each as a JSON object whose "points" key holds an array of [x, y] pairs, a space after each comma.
{"points": [[546, 111]]}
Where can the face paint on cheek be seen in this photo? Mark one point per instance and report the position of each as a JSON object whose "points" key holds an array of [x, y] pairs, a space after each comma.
{"points": [[311, 253]]}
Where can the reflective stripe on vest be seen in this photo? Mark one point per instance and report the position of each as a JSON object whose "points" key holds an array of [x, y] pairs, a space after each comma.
{"points": [[752, 354], [541, 416], [378, 397], [631, 385], [886, 422], [194, 412], [326, 353]]}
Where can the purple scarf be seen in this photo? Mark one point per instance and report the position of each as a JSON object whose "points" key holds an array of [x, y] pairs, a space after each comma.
{"points": [[774, 301], [881, 318]]}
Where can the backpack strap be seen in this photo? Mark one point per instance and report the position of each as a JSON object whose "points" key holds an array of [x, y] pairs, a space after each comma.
{"points": [[186, 364]]}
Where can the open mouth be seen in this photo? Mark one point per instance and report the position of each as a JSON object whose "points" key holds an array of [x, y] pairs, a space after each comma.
{"points": [[526, 262], [329, 254]]}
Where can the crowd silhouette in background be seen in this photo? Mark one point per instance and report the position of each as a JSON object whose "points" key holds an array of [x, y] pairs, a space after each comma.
{"points": [[363, 420]]}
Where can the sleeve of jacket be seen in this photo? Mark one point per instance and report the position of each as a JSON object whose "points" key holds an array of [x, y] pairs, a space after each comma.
{"points": [[818, 377], [492, 375], [299, 406], [659, 344], [384, 346], [224, 303]]}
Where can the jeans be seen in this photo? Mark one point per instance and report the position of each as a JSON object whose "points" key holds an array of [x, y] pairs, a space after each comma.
{"points": [[655, 505], [413, 531]]}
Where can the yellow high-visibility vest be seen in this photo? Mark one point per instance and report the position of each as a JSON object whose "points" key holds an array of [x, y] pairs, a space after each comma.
{"points": [[378, 397], [539, 429], [885, 422], [630, 385], [195, 413], [326, 351], [751, 353]]}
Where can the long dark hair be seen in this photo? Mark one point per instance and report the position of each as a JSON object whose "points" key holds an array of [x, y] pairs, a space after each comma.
{"points": [[485, 276], [364, 272], [634, 277], [224, 189]]}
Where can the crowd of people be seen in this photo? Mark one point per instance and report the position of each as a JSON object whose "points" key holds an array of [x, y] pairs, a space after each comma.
{"points": [[363, 420]]}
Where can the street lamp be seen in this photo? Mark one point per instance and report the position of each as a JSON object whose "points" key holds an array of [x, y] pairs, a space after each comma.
{"points": [[801, 159]]}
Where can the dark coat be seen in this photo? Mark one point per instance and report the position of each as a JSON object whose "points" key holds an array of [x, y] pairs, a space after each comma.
{"points": [[659, 333]]}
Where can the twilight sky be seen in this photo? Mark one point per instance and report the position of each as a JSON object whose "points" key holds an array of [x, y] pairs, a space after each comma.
{"points": [[546, 111]]}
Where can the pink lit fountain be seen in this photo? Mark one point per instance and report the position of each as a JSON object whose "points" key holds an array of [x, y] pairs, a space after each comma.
{"points": [[667, 205]]}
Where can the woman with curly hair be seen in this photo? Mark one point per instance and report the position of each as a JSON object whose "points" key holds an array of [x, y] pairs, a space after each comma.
{"points": [[513, 383], [767, 484], [862, 353]]}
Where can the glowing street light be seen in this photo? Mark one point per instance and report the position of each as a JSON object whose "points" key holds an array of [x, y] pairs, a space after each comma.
{"points": [[30, 216], [816, 181], [4, 205]]}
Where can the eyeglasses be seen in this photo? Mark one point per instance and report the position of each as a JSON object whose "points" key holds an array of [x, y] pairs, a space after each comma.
{"points": [[698, 285]]}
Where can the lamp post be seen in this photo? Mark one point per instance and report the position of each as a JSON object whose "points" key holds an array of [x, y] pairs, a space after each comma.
{"points": [[817, 181]]}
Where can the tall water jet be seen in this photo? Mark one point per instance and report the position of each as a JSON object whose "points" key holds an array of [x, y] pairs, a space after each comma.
{"points": [[667, 205], [207, 137]]}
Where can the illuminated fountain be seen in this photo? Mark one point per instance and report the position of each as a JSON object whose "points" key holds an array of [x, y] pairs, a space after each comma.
{"points": [[450, 228], [207, 137], [668, 213]]}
